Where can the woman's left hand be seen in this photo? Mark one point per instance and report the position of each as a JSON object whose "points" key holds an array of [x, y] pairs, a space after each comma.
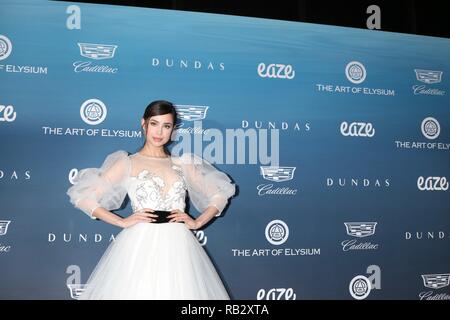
{"points": [[178, 215]]}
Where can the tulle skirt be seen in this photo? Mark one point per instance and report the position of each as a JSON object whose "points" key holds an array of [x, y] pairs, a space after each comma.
{"points": [[155, 261]]}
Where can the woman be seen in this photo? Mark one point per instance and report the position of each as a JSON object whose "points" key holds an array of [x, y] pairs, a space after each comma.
{"points": [[150, 260]]}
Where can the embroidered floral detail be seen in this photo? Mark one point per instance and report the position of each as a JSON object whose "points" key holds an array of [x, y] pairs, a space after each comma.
{"points": [[149, 191], [146, 175], [180, 175]]}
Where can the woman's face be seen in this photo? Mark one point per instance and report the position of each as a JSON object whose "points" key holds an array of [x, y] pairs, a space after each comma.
{"points": [[159, 129]]}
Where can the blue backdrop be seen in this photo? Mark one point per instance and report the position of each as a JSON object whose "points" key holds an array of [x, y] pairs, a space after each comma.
{"points": [[355, 206]]}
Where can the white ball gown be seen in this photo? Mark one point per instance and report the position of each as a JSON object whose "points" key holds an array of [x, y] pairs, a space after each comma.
{"points": [[149, 260]]}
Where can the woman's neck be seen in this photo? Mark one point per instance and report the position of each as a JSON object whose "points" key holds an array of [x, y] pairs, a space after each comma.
{"points": [[153, 151]]}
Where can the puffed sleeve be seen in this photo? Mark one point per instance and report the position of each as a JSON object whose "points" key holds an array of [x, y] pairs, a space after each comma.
{"points": [[101, 187], [206, 185]]}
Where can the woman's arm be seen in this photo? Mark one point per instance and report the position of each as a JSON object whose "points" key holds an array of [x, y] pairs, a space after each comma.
{"points": [[206, 216], [209, 213], [138, 216]]}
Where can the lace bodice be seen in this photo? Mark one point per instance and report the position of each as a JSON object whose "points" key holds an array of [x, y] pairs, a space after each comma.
{"points": [[155, 183]]}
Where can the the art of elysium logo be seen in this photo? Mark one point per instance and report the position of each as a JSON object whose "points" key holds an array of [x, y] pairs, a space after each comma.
{"points": [[360, 286], [428, 77], [95, 51], [357, 129], [5, 52], [435, 281], [276, 174], [356, 73], [431, 130], [276, 71], [93, 111], [4, 226], [5, 47], [277, 232], [359, 230]]}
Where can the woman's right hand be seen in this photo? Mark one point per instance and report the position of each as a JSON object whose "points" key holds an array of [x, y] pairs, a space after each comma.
{"points": [[142, 215]]}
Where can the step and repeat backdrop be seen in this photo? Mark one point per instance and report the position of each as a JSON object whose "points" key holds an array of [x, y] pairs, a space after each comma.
{"points": [[337, 138]]}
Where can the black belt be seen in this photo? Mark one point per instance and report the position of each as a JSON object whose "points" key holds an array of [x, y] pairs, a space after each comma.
{"points": [[162, 216]]}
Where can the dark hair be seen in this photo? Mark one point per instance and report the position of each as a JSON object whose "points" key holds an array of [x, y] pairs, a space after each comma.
{"points": [[158, 108]]}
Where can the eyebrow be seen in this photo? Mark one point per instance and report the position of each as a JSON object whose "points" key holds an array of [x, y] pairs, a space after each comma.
{"points": [[163, 123]]}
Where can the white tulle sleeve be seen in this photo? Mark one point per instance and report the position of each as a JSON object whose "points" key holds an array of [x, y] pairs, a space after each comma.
{"points": [[101, 187], [206, 185]]}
